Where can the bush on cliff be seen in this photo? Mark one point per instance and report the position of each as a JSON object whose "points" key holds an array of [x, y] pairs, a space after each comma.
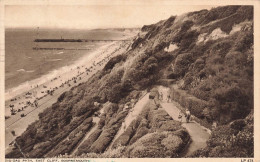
{"points": [[157, 145], [181, 64], [231, 140], [113, 61]]}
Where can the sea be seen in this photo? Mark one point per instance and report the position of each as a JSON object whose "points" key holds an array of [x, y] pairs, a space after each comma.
{"points": [[24, 64]]}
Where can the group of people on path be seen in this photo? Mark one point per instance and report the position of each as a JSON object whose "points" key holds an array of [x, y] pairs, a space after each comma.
{"points": [[168, 97], [187, 112], [187, 116]]}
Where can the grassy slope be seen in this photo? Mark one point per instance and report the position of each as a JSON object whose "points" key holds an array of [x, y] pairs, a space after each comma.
{"points": [[219, 72]]}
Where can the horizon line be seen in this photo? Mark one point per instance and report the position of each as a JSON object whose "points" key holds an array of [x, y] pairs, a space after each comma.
{"points": [[100, 28]]}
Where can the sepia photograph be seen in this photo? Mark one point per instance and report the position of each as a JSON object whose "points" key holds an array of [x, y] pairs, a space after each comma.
{"points": [[129, 81]]}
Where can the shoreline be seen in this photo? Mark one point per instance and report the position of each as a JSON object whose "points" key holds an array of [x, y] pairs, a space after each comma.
{"points": [[15, 89], [57, 77], [81, 74], [22, 87]]}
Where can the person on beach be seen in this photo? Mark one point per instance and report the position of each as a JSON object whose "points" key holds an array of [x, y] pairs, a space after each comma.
{"points": [[187, 115]]}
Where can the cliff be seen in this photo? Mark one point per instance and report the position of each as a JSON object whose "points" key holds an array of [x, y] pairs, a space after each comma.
{"points": [[207, 55]]}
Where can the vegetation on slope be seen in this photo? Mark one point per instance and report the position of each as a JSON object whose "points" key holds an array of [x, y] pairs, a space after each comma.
{"points": [[235, 139], [138, 140]]}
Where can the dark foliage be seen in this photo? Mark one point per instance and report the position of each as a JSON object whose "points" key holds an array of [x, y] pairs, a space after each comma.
{"points": [[111, 63]]}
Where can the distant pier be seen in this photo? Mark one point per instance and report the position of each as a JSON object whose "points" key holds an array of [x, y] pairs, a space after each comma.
{"points": [[79, 40], [73, 40], [39, 48]]}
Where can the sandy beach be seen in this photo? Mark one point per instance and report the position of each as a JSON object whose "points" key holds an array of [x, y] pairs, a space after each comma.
{"points": [[23, 109]]}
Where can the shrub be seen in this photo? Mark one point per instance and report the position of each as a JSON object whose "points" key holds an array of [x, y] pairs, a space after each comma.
{"points": [[188, 40], [231, 140], [113, 61], [150, 65], [83, 106], [146, 28], [234, 100], [104, 139], [169, 22], [173, 76], [62, 96], [187, 81], [158, 144], [119, 91], [236, 59], [137, 42], [84, 148], [244, 42], [226, 22], [185, 26], [217, 13], [181, 63], [199, 61], [238, 124], [164, 58]]}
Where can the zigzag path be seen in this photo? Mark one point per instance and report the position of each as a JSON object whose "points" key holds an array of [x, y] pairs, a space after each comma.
{"points": [[199, 135]]}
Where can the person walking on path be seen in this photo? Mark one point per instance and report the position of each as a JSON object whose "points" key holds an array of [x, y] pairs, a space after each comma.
{"points": [[161, 96], [124, 126], [187, 115], [168, 97], [214, 125], [180, 116], [35, 103], [13, 133]]}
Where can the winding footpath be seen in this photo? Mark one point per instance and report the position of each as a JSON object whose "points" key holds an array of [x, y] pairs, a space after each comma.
{"points": [[135, 111], [199, 134]]}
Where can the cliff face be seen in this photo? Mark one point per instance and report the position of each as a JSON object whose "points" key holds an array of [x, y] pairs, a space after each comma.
{"points": [[209, 55]]}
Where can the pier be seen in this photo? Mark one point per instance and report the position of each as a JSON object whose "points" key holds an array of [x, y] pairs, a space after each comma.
{"points": [[80, 40], [73, 40], [39, 48]]}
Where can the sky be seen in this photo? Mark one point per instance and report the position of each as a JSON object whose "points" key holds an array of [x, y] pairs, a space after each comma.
{"points": [[90, 16]]}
